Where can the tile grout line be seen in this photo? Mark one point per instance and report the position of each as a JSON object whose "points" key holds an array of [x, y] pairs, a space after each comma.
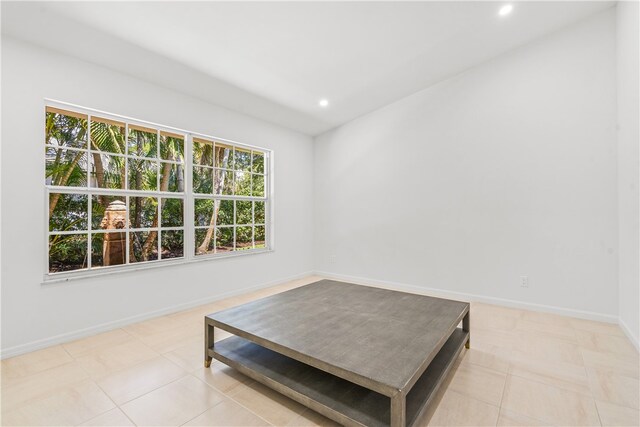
{"points": [[593, 397], [534, 380], [248, 409], [197, 415], [546, 385], [583, 366], [226, 396], [114, 372], [487, 368], [96, 416], [96, 384], [230, 396], [464, 393], [504, 387], [99, 388], [84, 353], [127, 415], [586, 372], [151, 391]]}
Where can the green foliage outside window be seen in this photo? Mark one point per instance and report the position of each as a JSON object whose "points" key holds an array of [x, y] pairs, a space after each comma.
{"points": [[142, 160], [87, 158]]}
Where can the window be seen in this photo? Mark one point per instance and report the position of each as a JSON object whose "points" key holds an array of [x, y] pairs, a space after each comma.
{"points": [[122, 193], [229, 197]]}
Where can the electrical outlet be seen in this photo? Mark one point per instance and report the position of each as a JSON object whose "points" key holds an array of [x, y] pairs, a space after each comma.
{"points": [[332, 258], [524, 281]]}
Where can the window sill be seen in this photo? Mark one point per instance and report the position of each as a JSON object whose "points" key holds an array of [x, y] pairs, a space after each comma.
{"points": [[152, 265]]}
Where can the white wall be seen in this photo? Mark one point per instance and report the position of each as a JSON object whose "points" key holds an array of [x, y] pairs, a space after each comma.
{"points": [[32, 311], [628, 171], [508, 169]]}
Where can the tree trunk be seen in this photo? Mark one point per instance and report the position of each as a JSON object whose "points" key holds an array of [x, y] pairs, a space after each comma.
{"points": [[138, 201], [132, 253], [212, 224], [218, 185], [97, 161], [180, 178], [56, 196], [123, 177], [54, 177], [164, 186]]}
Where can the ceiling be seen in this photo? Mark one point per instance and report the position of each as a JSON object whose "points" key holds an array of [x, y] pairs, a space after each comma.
{"points": [[275, 60]]}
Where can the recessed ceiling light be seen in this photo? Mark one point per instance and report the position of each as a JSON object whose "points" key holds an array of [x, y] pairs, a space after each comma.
{"points": [[323, 103], [505, 10]]}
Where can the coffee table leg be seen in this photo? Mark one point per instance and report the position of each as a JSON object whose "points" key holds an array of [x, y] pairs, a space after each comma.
{"points": [[398, 411], [208, 343], [466, 326]]}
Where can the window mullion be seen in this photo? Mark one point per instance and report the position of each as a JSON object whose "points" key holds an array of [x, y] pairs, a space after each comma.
{"points": [[113, 191], [46, 228], [188, 219], [158, 163], [89, 228], [253, 224], [128, 222], [89, 158], [89, 201], [126, 197], [268, 204], [158, 230], [235, 222]]}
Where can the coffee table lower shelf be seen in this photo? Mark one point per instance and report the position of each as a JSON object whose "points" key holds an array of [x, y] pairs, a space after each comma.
{"points": [[342, 401]]}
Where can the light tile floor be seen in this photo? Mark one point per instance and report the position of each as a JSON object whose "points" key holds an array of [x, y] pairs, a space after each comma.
{"points": [[523, 368]]}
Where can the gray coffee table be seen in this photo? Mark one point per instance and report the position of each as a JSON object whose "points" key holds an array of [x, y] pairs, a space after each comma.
{"points": [[359, 355]]}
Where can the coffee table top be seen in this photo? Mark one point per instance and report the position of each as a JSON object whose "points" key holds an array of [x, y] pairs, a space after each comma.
{"points": [[377, 338]]}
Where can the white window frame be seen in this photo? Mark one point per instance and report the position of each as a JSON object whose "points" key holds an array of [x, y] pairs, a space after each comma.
{"points": [[234, 198], [187, 196]]}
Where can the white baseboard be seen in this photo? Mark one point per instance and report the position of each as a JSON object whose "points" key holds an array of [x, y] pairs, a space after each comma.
{"points": [[441, 293], [628, 333], [82, 333], [104, 327]]}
